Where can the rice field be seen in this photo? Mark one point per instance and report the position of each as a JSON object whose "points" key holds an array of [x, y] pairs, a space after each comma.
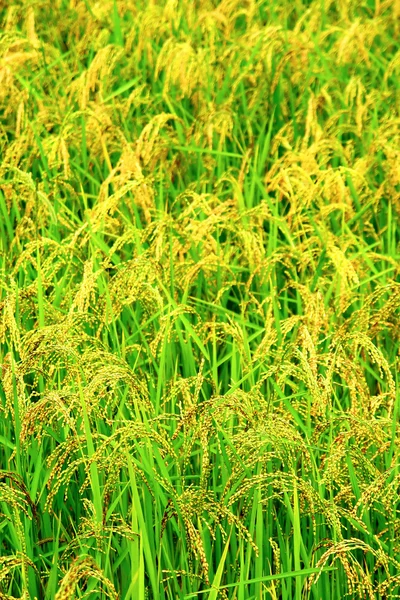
{"points": [[199, 299]]}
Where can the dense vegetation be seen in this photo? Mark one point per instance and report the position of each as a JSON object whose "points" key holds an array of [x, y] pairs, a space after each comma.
{"points": [[199, 299]]}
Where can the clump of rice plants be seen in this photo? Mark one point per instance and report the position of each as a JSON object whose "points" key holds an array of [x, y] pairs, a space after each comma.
{"points": [[199, 299]]}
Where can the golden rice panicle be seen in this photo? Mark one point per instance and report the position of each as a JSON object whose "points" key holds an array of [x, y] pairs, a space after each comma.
{"points": [[16, 497], [136, 280], [9, 565], [183, 66], [359, 581], [82, 569], [55, 409]]}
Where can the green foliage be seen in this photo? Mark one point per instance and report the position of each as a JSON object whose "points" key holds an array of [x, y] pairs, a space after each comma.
{"points": [[199, 299]]}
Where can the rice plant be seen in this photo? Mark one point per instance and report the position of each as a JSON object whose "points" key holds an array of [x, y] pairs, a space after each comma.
{"points": [[199, 299]]}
